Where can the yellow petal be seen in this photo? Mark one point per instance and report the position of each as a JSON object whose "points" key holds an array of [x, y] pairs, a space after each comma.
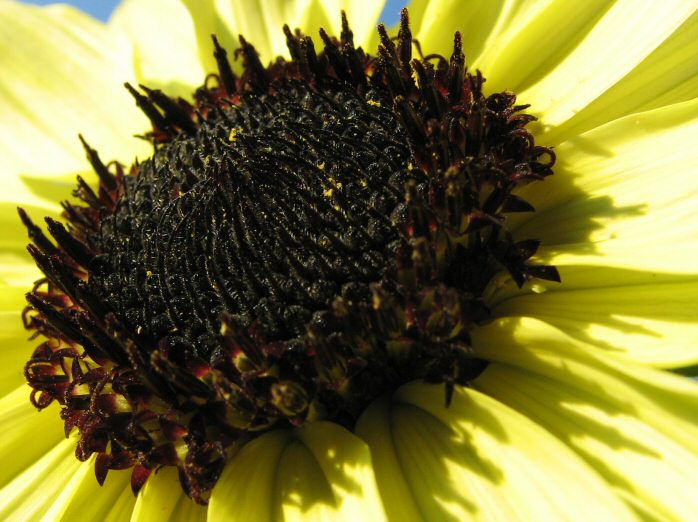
{"points": [[164, 44], [645, 317], [62, 74], [664, 401], [667, 76], [598, 62], [17, 275], [31, 493], [635, 426], [479, 21], [537, 38], [623, 195], [318, 472], [476, 460], [15, 350], [163, 499], [14, 258], [82, 498], [261, 23], [20, 423]]}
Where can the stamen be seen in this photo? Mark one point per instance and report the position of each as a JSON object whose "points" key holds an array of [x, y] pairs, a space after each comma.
{"points": [[156, 119], [225, 71], [404, 49], [105, 177], [254, 70]]}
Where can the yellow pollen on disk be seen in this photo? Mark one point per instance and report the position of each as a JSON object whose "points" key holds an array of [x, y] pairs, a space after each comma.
{"points": [[234, 133]]}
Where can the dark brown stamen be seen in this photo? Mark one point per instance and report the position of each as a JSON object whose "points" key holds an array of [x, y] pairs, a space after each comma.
{"points": [[225, 71]]}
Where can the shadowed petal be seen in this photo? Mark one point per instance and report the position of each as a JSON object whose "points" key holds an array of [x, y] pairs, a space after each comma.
{"points": [[163, 499], [645, 317], [318, 472], [623, 195], [476, 460], [635, 426]]}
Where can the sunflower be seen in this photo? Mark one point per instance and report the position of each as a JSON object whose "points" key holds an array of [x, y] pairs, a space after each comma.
{"points": [[503, 350]]}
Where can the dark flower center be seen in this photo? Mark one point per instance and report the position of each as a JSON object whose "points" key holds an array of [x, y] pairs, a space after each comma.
{"points": [[305, 238]]}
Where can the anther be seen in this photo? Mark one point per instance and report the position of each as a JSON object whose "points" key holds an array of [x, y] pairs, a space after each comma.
{"points": [[225, 71], [36, 234], [456, 70], [156, 118], [404, 47], [347, 36], [257, 74], [75, 248], [335, 58], [106, 177], [175, 114]]}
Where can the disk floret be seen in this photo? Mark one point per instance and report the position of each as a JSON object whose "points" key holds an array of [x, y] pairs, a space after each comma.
{"points": [[306, 237]]}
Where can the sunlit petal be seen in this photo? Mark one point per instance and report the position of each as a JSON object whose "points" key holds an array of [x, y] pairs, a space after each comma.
{"points": [[65, 78], [164, 44], [593, 66]]}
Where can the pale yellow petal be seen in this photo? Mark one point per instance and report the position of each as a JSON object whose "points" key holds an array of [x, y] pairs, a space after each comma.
{"points": [[477, 460], [480, 22], [635, 426], [163, 499], [20, 422], [164, 44], [318, 472], [206, 23], [40, 476], [363, 17], [646, 317], [667, 76], [375, 428], [664, 401], [62, 75], [621, 39], [537, 38], [623, 195], [261, 23], [17, 275], [635, 459], [15, 349], [245, 488], [31, 493], [82, 498]]}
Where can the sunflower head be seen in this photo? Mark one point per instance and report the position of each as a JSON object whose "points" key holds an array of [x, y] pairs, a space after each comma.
{"points": [[306, 237]]}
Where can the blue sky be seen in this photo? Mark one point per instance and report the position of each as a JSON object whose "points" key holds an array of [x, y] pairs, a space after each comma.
{"points": [[102, 8]]}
